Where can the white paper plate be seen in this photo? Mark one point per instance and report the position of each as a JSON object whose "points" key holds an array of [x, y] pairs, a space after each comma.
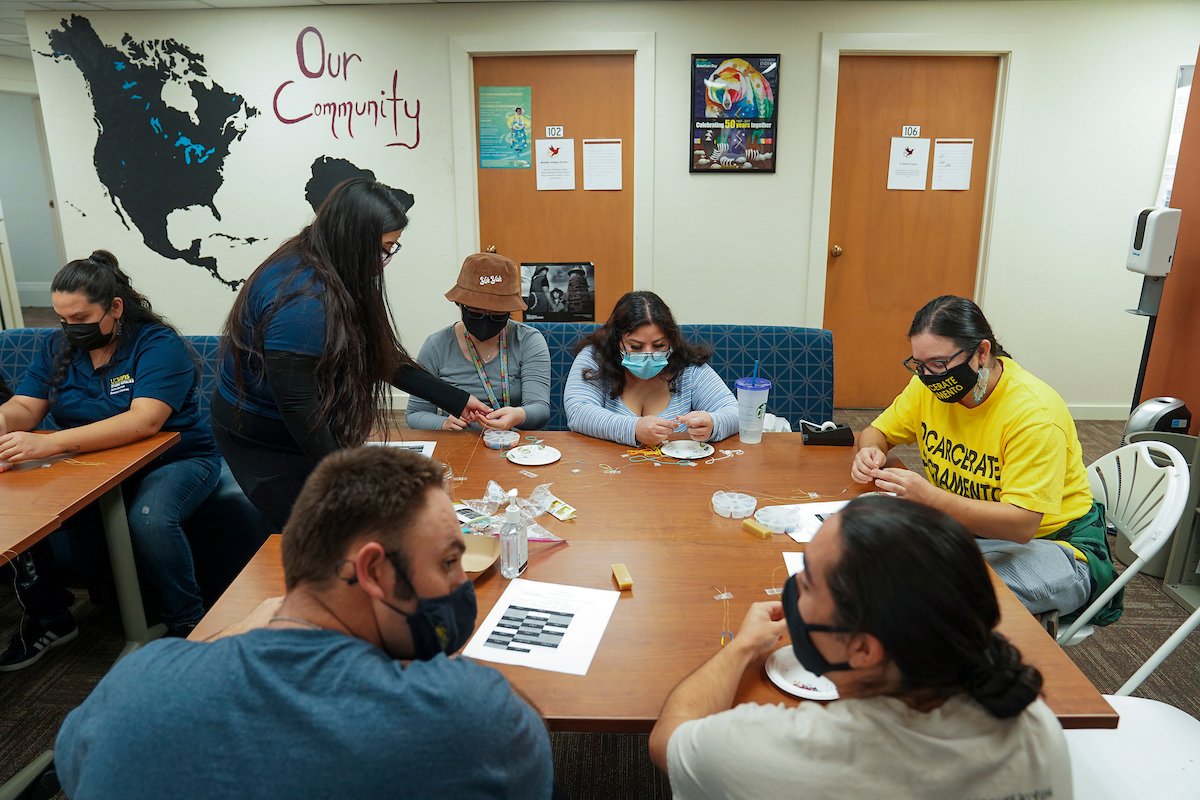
{"points": [[785, 672], [687, 449], [533, 455]]}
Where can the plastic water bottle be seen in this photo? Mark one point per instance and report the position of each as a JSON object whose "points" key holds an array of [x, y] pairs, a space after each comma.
{"points": [[514, 543]]}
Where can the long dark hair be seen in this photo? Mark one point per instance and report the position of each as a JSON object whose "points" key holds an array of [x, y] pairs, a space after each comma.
{"points": [[957, 319], [631, 312], [914, 578], [99, 278], [342, 248]]}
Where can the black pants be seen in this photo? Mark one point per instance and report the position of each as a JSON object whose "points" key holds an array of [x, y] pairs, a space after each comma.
{"points": [[263, 458]]}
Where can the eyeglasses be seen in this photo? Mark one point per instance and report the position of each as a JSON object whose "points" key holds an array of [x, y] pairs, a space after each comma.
{"points": [[660, 356], [387, 252], [934, 366], [473, 313]]}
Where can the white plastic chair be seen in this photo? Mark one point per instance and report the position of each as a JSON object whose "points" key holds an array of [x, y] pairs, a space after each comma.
{"points": [[1142, 500], [1154, 754]]}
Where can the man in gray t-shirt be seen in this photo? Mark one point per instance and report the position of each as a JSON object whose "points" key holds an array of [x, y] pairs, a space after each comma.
{"points": [[313, 699]]}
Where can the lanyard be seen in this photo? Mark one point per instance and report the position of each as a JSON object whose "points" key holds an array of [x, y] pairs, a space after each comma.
{"points": [[487, 384]]}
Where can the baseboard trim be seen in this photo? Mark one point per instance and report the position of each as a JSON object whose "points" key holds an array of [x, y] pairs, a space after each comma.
{"points": [[1099, 412], [34, 293]]}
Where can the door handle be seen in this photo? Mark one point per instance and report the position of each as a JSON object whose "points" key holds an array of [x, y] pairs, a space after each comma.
{"points": [[835, 251]]}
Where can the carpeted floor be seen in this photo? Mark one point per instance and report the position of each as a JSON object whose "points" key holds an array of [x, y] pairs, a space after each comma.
{"points": [[34, 701]]}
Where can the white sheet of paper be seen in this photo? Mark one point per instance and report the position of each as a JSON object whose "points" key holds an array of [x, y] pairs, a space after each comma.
{"points": [[812, 515], [794, 562], [952, 164], [908, 163], [555, 162], [601, 164], [1182, 94], [424, 448], [544, 626]]}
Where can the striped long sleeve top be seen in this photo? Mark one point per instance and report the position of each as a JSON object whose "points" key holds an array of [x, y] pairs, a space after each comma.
{"points": [[591, 411]]}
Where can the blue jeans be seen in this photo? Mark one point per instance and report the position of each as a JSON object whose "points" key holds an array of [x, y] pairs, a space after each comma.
{"points": [[159, 502]]}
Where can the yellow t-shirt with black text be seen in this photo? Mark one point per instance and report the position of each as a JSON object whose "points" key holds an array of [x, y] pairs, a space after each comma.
{"points": [[1020, 446]]}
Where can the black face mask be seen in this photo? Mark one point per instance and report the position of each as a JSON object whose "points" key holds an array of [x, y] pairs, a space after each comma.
{"points": [[483, 329], [87, 335], [951, 385], [806, 652], [440, 624]]}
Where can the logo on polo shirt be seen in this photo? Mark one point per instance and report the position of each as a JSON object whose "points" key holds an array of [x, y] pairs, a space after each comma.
{"points": [[120, 383]]}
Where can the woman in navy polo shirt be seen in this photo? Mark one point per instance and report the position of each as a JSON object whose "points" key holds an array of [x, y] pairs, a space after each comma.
{"points": [[117, 373], [309, 346]]}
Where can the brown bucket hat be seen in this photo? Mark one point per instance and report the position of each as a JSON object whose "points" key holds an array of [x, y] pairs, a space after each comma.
{"points": [[488, 281]]}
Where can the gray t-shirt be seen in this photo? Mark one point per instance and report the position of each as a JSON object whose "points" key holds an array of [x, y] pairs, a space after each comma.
{"points": [[528, 376], [300, 714]]}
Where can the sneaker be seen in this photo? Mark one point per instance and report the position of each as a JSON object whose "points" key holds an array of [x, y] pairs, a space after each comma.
{"points": [[33, 640], [180, 631]]}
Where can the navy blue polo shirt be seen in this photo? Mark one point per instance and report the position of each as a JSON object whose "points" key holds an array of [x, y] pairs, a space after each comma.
{"points": [[288, 292], [151, 361]]}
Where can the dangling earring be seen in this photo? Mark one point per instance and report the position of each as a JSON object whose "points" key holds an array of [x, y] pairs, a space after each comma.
{"points": [[981, 385]]}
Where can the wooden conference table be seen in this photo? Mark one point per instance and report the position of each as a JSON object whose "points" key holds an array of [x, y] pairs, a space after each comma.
{"points": [[657, 520], [37, 496]]}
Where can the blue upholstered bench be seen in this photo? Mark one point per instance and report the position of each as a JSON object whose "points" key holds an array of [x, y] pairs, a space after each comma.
{"points": [[227, 530], [797, 361]]}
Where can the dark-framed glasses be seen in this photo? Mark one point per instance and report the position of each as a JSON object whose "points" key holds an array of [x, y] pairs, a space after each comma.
{"points": [[475, 313], [389, 251], [934, 366]]}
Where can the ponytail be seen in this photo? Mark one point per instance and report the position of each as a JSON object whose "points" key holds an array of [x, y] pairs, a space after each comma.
{"points": [[999, 681], [100, 279]]}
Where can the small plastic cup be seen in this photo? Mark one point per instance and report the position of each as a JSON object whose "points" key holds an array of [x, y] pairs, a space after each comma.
{"points": [[752, 407]]}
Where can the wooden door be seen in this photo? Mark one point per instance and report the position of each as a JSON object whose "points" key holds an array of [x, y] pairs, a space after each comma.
{"points": [[899, 249], [591, 96]]}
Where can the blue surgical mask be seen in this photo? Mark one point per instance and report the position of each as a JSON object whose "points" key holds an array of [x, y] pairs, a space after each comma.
{"points": [[802, 644], [645, 365]]}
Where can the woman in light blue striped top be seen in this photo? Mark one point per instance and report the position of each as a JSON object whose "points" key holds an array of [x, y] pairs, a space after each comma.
{"points": [[636, 380]]}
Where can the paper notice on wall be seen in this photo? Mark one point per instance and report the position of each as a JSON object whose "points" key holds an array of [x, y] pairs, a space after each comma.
{"points": [[601, 165], [908, 164], [1183, 91], [555, 164], [952, 164]]}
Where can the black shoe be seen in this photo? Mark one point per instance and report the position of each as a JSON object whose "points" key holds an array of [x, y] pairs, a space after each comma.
{"points": [[33, 639]]}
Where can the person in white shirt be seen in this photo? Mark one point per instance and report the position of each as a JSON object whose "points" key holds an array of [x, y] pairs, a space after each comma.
{"points": [[895, 605]]}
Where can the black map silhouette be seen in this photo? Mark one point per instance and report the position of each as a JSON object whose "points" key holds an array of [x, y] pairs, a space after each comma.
{"points": [[156, 159], [152, 157]]}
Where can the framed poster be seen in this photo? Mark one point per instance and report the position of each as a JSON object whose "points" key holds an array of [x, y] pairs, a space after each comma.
{"points": [[559, 292], [734, 113]]}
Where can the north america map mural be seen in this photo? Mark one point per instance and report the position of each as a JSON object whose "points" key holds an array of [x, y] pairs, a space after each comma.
{"points": [[153, 158]]}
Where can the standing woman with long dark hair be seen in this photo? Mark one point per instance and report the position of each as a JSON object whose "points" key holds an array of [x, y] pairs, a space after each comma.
{"points": [[117, 373], [309, 345]]}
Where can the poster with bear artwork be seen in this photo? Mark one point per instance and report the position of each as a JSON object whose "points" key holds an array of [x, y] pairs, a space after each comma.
{"points": [[734, 113]]}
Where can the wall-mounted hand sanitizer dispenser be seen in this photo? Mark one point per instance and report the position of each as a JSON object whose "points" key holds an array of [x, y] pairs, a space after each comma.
{"points": [[1152, 246]]}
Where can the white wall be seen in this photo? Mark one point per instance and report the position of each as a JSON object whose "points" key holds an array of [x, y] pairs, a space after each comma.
{"points": [[26, 203], [1088, 150]]}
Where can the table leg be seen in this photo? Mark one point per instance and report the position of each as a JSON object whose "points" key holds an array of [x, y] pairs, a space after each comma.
{"points": [[129, 593]]}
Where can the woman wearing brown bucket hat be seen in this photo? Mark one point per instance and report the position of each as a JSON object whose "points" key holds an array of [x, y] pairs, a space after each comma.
{"points": [[503, 363]]}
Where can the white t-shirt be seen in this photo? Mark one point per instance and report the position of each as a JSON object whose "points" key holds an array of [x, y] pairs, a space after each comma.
{"points": [[876, 747]]}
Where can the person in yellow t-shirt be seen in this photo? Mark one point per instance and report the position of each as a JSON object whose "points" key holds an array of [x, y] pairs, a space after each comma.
{"points": [[1002, 457]]}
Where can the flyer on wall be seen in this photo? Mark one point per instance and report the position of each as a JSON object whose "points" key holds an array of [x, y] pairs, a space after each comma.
{"points": [[560, 292], [734, 113], [505, 120]]}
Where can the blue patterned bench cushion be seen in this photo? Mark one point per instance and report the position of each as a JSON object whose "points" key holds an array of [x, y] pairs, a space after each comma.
{"points": [[797, 361], [19, 345]]}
